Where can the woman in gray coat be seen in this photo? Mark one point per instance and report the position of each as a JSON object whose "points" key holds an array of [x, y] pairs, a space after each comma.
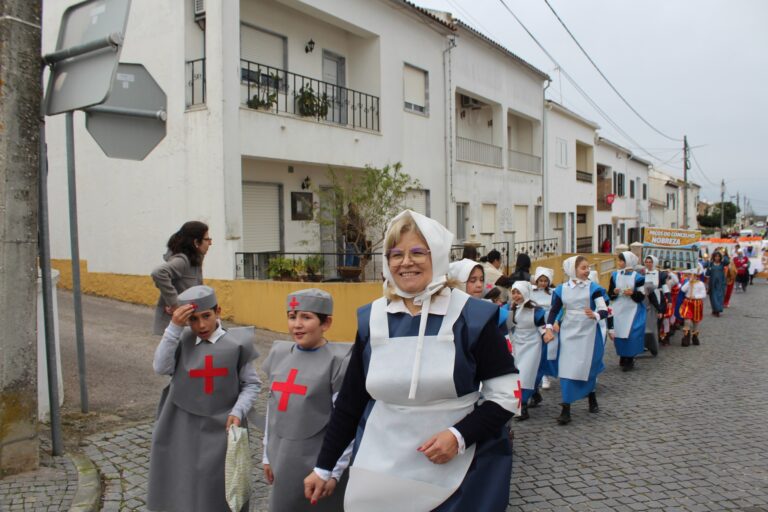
{"points": [[183, 268]]}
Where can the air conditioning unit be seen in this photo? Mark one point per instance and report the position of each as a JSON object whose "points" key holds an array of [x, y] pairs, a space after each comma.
{"points": [[469, 102], [199, 8]]}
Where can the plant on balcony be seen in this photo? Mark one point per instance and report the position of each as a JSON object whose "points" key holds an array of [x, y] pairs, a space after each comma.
{"points": [[262, 101], [313, 265], [311, 104], [281, 268]]}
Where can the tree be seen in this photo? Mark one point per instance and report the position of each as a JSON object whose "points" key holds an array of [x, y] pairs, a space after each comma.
{"points": [[359, 204], [712, 220]]}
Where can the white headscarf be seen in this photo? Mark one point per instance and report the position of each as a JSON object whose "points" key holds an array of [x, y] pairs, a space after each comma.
{"points": [[569, 267], [525, 288], [439, 241], [671, 276], [461, 270], [543, 271], [630, 259], [654, 259]]}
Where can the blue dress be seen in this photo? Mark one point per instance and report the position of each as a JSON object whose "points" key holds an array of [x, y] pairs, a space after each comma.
{"points": [[716, 275], [634, 343], [591, 350]]}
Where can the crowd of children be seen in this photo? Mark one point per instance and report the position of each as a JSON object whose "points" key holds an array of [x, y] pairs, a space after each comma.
{"points": [[554, 332]]}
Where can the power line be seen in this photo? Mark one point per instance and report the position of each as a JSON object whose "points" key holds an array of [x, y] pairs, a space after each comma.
{"points": [[701, 170], [605, 77]]}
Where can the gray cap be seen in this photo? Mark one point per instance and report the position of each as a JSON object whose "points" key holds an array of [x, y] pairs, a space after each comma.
{"points": [[201, 296], [311, 299]]}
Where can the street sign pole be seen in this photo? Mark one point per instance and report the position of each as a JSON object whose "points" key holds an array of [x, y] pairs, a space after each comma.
{"points": [[75, 257]]}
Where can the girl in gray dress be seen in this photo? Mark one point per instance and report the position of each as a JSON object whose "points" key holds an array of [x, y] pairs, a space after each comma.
{"points": [[183, 268]]}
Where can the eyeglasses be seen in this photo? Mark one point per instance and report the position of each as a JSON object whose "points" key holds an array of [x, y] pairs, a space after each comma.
{"points": [[416, 254]]}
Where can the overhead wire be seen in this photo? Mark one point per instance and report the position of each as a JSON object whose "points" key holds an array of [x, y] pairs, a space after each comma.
{"points": [[643, 119]]}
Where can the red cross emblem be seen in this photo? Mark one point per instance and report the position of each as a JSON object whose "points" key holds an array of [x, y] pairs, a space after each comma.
{"points": [[208, 373], [509, 343], [294, 303], [489, 286], [519, 394], [287, 388]]}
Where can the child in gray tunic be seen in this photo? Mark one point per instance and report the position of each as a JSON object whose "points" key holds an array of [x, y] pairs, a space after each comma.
{"points": [[213, 385], [305, 376]]}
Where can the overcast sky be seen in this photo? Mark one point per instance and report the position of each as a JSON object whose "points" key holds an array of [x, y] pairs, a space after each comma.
{"points": [[690, 67]]}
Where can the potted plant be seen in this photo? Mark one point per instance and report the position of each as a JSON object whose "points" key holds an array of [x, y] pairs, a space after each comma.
{"points": [[313, 265], [281, 268], [263, 101], [310, 104]]}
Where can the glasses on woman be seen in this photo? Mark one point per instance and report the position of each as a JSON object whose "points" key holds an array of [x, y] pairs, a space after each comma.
{"points": [[416, 255]]}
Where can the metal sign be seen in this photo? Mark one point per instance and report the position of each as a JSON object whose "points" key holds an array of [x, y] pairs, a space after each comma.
{"points": [[86, 56], [132, 121]]}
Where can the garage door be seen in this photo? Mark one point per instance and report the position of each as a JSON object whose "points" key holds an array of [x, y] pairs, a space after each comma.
{"points": [[261, 217]]}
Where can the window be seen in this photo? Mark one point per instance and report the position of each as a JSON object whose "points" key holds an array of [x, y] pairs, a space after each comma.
{"points": [[561, 149], [620, 186], [671, 201], [415, 87], [488, 225], [462, 215], [645, 191], [263, 53], [632, 189], [418, 201]]}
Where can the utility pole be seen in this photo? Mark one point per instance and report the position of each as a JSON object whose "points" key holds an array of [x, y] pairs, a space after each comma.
{"points": [[686, 167], [738, 210], [20, 95], [722, 206]]}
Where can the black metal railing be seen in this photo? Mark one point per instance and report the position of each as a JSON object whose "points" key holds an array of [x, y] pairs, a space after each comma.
{"points": [[584, 176], [584, 244], [536, 249], [195, 74], [280, 91], [309, 266]]}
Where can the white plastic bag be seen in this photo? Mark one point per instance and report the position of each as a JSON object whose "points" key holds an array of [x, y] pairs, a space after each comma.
{"points": [[237, 468]]}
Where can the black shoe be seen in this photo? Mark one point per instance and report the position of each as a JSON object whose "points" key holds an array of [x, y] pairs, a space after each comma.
{"points": [[523, 413], [622, 361], [629, 364], [536, 399], [686, 340], [593, 407], [565, 415], [695, 339]]}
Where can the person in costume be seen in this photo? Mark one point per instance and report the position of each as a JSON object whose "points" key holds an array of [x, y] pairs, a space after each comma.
{"points": [[492, 268], [716, 270], [742, 269], [526, 323], [304, 375], [542, 296], [692, 309], [606, 324], [654, 302], [671, 290], [626, 293], [182, 269], [213, 385], [426, 437], [469, 277], [581, 342], [522, 268], [730, 281]]}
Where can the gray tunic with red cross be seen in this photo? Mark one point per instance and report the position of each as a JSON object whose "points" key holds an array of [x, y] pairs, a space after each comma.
{"points": [[189, 441], [302, 384]]}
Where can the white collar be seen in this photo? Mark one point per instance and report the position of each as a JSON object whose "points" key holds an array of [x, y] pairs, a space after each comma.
{"points": [[576, 283], [439, 305], [218, 333]]}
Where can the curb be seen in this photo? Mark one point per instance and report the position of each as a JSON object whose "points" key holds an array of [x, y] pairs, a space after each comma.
{"points": [[88, 493]]}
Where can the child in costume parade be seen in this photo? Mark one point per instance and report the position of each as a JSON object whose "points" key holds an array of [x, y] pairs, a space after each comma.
{"points": [[542, 296], [655, 304], [526, 323], [213, 385], [305, 376], [581, 342], [671, 290], [692, 308], [626, 293]]}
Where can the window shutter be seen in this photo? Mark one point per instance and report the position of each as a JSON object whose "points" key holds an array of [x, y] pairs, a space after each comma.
{"points": [[414, 86]]}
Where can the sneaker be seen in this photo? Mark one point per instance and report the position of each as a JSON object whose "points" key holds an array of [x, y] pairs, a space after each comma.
{"points": [[545, 382]]}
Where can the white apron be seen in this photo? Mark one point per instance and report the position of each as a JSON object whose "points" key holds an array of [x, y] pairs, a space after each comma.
{"points": [[624, 308], [651, 287], [388, 473], [544, 299], [526, 341], [577, 334]]}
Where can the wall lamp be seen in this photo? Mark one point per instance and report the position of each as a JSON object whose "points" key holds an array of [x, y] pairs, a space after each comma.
{"points": [[309, 47]]}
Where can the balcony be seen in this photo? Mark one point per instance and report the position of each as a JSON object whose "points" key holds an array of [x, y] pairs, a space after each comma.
{"points": [[195, 88], [586, 177], [281, 92], [519, 161], [476, 152]]}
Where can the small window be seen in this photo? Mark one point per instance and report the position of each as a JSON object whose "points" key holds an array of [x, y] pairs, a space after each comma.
{"points": [[645, 191], [561, 148], [615, 184], [621, 190], [462, 215], [632, 189], [488, 225], [415, 86]]}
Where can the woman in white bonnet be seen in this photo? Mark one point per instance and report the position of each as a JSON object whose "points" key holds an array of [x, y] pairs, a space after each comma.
{"points": [[425, 439]]}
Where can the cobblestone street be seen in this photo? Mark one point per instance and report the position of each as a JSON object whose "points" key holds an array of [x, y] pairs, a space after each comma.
{"points": [[684, 431]]}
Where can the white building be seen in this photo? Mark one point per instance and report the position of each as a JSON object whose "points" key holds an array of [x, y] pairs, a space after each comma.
{"points": [[570, 178], [664, 200], [623, 206], [390, 82]]}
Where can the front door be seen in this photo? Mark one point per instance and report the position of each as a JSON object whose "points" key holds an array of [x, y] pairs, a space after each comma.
{"points": [[334, 76]]}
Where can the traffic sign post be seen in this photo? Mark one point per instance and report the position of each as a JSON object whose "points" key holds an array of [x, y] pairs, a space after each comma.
{"points": [[132, 121]]}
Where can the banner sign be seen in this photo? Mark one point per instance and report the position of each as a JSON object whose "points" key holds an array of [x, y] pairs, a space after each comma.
{"points": [[676, 249]]}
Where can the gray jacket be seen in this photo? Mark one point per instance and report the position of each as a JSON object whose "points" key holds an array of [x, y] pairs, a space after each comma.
{"points": [[171, 278]]}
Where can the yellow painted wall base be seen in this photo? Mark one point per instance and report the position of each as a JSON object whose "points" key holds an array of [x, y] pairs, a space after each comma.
{"points": [[262, 303]]}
